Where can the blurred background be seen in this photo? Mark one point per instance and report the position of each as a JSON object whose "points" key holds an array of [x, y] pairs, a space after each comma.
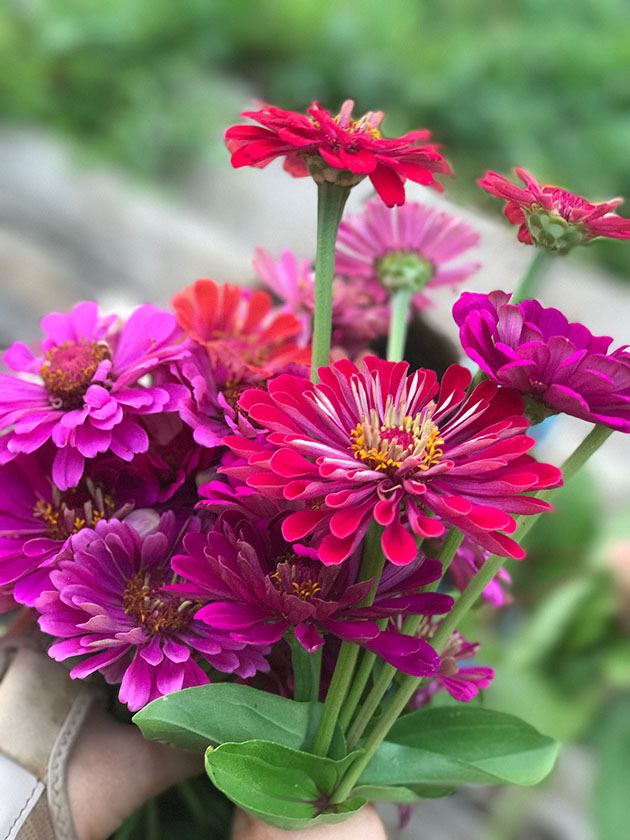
{"points": [[114, 184]]}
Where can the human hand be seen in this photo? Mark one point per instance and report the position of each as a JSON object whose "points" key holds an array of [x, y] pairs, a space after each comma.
{"points": [[366, 825]]}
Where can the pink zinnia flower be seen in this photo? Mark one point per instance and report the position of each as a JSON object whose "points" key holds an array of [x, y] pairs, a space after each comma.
{"points": [[374, 444], [463, 682], [408, 247], [256, 587], [84, 388], [242, 341], [360, 313], [37, 519], [554, 218], [337, 148], [561, 366], [468, 559], [109, 608]]}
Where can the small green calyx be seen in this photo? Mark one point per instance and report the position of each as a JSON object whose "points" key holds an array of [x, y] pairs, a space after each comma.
{"points": [[551, 231], [404, 270], [322, 173]]}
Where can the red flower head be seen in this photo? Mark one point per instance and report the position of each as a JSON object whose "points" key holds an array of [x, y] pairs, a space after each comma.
{"points": [[338, 149], [554, 218], [373, 443], [243, 341]]}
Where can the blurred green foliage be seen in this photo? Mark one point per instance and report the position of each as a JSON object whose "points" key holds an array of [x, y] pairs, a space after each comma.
{"points": [[528, 82]]}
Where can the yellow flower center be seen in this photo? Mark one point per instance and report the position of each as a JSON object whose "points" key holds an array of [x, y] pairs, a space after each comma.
{"points": [[157, 611], [385, 446], [68, 370], [293, 578], [69, 512]]}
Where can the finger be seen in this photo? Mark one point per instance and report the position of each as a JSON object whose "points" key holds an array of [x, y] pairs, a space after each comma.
{"points": [[113, 770], [366, 825]]}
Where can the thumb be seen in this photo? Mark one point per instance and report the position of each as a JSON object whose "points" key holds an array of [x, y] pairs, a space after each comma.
{"points": [[365, 825]]}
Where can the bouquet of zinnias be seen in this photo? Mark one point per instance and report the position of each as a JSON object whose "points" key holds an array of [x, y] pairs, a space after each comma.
{"points": [[269, 554]]}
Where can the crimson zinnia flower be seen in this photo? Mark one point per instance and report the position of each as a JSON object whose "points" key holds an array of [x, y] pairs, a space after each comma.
{"points": [[559, 365], [374, 444], [337, 148], [554, 218]]}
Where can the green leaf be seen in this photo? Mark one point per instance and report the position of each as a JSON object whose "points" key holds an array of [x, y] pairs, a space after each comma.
{"points": [[401, 794], [285, 787], [218, 713], [448, 747]]}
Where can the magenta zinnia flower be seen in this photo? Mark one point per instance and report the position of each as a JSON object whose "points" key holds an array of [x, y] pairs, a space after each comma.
{"points": [[82, 389], [408, 247], [337, 148], [462, 681], [554, 218], [560, 365], [468, 559], [360, 313], [109, 608], [257, 587], [374, 444], [37, 519]]}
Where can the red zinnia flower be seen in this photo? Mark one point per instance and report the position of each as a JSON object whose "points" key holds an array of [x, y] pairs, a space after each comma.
{"points": [[372, 443], [337, 148], [245, 339], [554, 218]]}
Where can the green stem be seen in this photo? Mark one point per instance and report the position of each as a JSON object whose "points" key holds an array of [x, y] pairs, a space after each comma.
{"points": [[530, 281], [398, 321], [410, 626], [409, 685], [306, 670], [358, 686], [371, 567], [331, 200]]}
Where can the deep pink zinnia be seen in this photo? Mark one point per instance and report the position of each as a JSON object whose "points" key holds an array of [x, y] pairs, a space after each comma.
{"points": [[554, 218], [409, 247], [109, 608], [337, 148], [86, 386], [468, 560], [257, 587], [374, 444], [559, 365], [462, 681]]}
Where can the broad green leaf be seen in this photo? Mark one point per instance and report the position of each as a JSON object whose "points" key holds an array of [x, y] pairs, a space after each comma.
{"points": [[401, 794], [287, 788], [218, 713], [448, 747]]}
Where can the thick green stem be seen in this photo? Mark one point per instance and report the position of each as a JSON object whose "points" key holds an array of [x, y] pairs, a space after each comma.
{"points": [[306, 670], [409, 685], [331, 200], [371, 567], [398, 321], [410, 626], [531, 281]]}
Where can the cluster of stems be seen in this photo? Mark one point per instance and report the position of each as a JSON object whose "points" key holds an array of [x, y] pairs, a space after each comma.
{"points": [[354, 668]]}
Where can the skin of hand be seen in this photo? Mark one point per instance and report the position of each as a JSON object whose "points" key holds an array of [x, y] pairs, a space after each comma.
{"points": [[113, 770]]}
